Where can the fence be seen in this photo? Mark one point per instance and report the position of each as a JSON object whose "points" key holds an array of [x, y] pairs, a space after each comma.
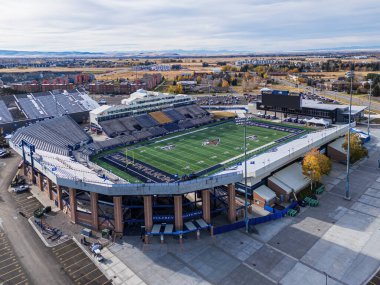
{"points": [[254, 221]]}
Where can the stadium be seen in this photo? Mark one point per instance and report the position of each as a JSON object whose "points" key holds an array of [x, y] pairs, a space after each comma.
{"points": [[161, 163]]}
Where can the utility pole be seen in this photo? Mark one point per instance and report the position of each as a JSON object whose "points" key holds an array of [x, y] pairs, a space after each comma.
{"points": [[350, 75], [369, 107], [245, 175]]}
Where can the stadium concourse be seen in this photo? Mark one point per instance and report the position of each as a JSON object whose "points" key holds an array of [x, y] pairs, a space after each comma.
{"points": [[59, 157]]}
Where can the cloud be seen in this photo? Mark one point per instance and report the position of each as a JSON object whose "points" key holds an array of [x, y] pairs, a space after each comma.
{"points": [[251, 25]]}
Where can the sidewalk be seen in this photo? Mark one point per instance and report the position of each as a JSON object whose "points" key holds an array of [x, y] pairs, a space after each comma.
{"points": [[114, 267]]}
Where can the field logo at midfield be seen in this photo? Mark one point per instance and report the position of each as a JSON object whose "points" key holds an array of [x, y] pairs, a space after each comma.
{"points": [[252, 138], [211, 142], [168, 147]]}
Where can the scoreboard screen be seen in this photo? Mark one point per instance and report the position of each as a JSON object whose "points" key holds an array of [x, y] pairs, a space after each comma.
{"points": [[281, 100]]}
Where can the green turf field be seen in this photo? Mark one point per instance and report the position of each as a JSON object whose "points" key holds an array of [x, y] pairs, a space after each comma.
{"points": [[189, 152]]}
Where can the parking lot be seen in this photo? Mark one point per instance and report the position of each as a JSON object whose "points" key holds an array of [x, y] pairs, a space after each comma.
{"points": [[375, 280], [77, 265], [26, 203], [11, 271]]}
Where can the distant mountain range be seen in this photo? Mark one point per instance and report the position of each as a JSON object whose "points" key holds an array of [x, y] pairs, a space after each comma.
{"points": [[178, 52], [348, 48], [164, 53], [17, 53]]}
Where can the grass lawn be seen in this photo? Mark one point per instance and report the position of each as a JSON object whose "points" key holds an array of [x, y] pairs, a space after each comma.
{"points": [[187, 153]]}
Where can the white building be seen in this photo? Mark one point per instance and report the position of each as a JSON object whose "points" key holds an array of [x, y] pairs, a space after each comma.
{"points": [[139, 102]]}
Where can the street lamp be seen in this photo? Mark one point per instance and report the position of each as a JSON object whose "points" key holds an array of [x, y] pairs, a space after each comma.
{"points": [[245, 176], [369, 106], [350, 75]]}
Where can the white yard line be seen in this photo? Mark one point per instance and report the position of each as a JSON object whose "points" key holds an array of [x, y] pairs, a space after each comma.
{"points": [[181, 135], [248, 152]]}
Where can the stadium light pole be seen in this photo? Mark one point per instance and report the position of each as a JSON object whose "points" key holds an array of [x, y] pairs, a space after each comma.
{"points": [[369, 106], [245, 175], [350, 75]]}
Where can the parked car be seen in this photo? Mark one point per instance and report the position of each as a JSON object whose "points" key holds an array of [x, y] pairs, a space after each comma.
{"points": [[21, 188]]}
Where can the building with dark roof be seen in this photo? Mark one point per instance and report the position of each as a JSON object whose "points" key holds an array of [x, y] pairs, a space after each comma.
{"points": [[293, 104]]}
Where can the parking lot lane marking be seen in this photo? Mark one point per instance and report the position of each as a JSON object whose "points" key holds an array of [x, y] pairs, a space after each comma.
{"points": [[90, 282], [8, 265], [79, 273], [27, 208], [14, 277], [19, 271], [86, 274], [107, 282], [5, 247], [74, 263], [65, 262], [12, 257], [66, 252], [26, 282], [63, 248], [71, 257], [58, 249], [9, 252], [80, 268]]}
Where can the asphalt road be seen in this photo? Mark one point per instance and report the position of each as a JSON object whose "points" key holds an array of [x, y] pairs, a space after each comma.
{"points": [[375, 105], [37, 260]]}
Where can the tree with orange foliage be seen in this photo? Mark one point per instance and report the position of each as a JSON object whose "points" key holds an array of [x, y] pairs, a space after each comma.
{"points": [[357, 150], [315, 165], [225, 83]]}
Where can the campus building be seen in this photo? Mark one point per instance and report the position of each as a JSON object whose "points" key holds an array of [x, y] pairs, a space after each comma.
{"points": [[288, 103]]}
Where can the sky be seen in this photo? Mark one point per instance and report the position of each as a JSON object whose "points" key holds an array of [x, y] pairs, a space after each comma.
{"points": [[145, 25]]}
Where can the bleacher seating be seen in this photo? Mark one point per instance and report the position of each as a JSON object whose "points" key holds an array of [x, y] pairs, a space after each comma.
{"points": [[146, 121], [154, 124], [185, 112], [185, 124], [172, 127], [174, 115], [160, 117], [157, 131], [58, 135], [130, 124]]}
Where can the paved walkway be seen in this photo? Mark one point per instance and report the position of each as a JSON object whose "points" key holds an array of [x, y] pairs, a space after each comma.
{"points": [[337, 241]]}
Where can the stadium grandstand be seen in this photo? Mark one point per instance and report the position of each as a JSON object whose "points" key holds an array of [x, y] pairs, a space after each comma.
{"points": [[44, 135], [20, 110], [154, 114]]}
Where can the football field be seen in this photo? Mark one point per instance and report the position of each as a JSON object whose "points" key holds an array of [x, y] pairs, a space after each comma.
{"points": [[203, 148]]}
